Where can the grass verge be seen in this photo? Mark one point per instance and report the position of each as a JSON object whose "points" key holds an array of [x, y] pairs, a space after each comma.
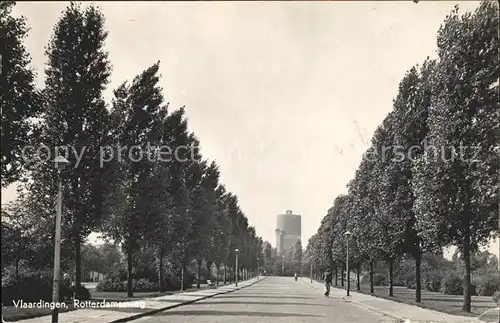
{"points": [[449, 304]]}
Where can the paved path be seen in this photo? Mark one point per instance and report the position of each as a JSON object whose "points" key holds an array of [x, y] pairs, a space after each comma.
{"points": [[276, 300], [405, 312], [128, 311]]}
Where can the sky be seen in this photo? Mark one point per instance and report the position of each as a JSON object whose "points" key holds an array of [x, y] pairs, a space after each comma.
{"points": [[284, 96]]}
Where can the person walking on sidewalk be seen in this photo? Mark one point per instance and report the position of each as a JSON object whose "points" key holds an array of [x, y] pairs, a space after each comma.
{"points": [[327, 277]]}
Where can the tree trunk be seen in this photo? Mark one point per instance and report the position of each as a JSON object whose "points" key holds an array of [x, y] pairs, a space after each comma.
{"points": [[466, 306], [391, 272], [348, 279], [218, 273], [209, 268], [225, 274], [17, 270], [130, 264], [199, 273], [336, 275], [78, 262], [160, 271], [182, 278], [342, 276], [358, 285], [372, 264], [418, 287]]}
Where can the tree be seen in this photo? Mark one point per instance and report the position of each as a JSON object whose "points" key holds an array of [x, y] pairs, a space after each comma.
{"points": [[20, 101], [91, 259], [268, 256], [457, 186], [411, 109], [15, 237], [297, 251], [220, 246], [176, 134], [75, 117], [387, 222], [204, 209], [137, 114], [363, 212], [27, 237], [111, 257]]}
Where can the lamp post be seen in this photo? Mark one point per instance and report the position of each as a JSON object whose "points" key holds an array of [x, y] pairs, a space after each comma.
{"points": [[282, 265], [258, 272], [348, 235], [60, 163], [236, 271]]}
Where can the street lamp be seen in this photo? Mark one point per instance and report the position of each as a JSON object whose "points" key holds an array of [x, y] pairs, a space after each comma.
{"points": [[282, 264], [258, 268], [236, 271], [60, 163], [348, 235], [311, 272]]}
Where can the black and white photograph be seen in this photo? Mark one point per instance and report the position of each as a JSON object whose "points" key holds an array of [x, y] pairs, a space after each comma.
{"points": [[250, 161]]}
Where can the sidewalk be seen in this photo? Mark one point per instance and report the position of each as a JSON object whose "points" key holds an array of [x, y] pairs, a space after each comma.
{"points": [[404, 312], [130, 310]]}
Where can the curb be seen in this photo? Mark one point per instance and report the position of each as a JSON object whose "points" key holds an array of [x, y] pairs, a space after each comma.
{"points": [[155, 311], [383, 313], [348, 299], [376, 310]]}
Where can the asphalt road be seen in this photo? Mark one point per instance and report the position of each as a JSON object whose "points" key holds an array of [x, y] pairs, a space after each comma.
{"points": [[275, 299]]}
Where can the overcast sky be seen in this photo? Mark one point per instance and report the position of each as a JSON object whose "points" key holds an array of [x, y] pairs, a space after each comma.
{"points": [[284, 95]]}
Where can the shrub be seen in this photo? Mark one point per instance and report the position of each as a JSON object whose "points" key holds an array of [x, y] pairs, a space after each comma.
{"points": [[409, 280], [82, 294], [145, 285], [452, 284], [379, 280], [488, 285], [31, 287], [117, 273], [365, 280], [431, 281], [496, 297], [140, 285], [145, 272], [172, 283], [111, 285]]}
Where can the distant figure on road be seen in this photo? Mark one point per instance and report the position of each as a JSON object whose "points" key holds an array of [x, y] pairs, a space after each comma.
{"points": [[295, 276], [328, 282]]}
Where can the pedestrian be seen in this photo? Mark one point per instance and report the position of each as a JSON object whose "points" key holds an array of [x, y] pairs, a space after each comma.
{"points": [[67, 289], [327, 277]]}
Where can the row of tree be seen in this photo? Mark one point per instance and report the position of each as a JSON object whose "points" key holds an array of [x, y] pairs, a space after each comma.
{"points": [[176, 205], [287, 264], [445, 189]]}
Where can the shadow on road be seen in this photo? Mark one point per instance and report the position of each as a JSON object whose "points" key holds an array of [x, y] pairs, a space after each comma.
{"points": [[229, 313], [259, 303], [265, 296]]}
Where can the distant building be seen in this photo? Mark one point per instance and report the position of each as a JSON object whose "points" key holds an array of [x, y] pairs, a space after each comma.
{"points": [[288, 231]]}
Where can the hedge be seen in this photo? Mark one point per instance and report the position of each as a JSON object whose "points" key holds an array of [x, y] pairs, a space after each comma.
{"points": [[33, 287]]}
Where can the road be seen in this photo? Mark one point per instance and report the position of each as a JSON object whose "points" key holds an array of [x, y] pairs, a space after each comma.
{"points": [[276, 300]]}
